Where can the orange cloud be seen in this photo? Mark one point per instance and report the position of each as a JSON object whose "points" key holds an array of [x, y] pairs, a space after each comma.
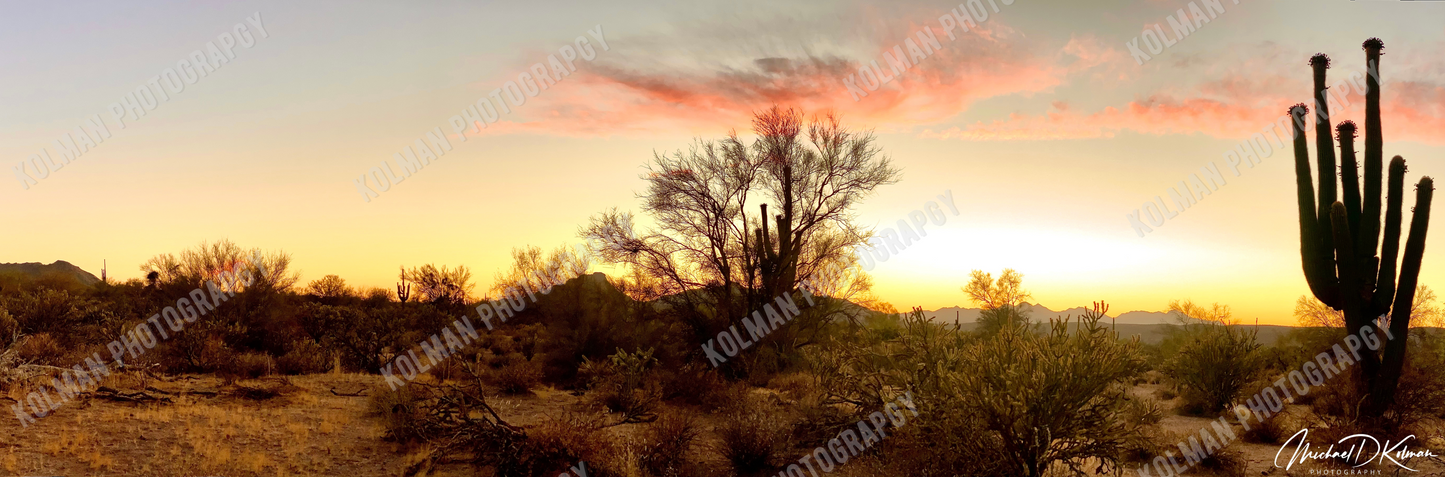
{"points": [[1415, 112], [712, 82], [715, 94]]}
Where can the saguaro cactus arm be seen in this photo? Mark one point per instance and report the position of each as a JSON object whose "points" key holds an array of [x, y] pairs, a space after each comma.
{"points": [[1390, 247], [1350, 182], [1394, 359], [1316, 257], [1324, 146], [1344, 248]]}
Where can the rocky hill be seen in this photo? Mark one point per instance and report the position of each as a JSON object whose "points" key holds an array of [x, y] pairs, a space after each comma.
{"points": [[60, 267]]}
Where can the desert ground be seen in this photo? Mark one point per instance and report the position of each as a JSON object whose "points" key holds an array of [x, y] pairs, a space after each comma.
{"points": [[321, 424]]}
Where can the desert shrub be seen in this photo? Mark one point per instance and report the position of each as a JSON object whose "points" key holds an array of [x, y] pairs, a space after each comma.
{"points": [[1339, 400], [453, 366], [558, 443], [214, 355], [699, 385], [401, 412], [1421, 392], [591, 373], [9, 328], [459, 424], [1273, 430], [750, 438], [362, 337], [1227, 461], [45, 310], [517, 377], [817, 421], [1142, 409], [41, 348], [248, 365], [1150, 442], [454, 417], [1214, 363], [304, 357], [1002, 405], [992, 321], [665, 447], [627, 386], [1034, 390], [793, 384]]}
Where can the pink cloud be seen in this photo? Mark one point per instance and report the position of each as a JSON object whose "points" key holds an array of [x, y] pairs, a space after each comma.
{"points": [[717, 94], [1413, 111]]}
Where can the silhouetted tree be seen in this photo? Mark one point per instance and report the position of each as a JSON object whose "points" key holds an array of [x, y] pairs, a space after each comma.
{"points": [[330, 286], [532, 270], [712, 260], [440, 285], [989, 294]]}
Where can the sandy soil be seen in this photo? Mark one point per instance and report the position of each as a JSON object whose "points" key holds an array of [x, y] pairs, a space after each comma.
{"points": [[313, 426]]}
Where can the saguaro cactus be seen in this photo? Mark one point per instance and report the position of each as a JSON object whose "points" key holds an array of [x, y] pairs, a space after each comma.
{"points": [[403, 289], [778, 267], [1338, 238]]}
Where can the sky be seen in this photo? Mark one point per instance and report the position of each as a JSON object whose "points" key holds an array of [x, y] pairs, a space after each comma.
{"points": [[1040, 120]]}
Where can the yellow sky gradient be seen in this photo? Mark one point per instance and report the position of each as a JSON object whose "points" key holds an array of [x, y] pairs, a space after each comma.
{"points": [[264, 151]]}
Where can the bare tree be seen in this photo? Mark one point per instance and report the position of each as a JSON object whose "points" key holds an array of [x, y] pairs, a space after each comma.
{"points": [[1188, 312], [533, 270], [715, 261], [1424, 312], [440, 285], [210, 260]]}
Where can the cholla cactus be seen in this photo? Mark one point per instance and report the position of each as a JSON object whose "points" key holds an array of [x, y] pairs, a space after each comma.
{"points": [[1338, 238]]}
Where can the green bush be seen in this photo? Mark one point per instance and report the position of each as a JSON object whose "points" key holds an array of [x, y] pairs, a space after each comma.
{"points": [[994, 320], [1016, 403], [626, 384], [1214, 363]]}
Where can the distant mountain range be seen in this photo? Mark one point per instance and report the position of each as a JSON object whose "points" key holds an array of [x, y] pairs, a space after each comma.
{"points": [[60, 267], [1042, 314], [1150, 326]]}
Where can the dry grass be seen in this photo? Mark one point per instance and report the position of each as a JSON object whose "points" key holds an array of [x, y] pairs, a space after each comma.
{"points": [[305, 429]]}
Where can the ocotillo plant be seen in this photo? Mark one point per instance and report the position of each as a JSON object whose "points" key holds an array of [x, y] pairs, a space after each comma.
{"points": [[1338, 238]]}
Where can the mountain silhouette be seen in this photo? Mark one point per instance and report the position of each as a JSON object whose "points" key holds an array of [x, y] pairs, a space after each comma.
{"points": [[60, 267]]}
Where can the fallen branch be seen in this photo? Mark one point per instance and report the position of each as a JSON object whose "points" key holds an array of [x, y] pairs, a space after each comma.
{"points": [[361, 392], [137, 396]]}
